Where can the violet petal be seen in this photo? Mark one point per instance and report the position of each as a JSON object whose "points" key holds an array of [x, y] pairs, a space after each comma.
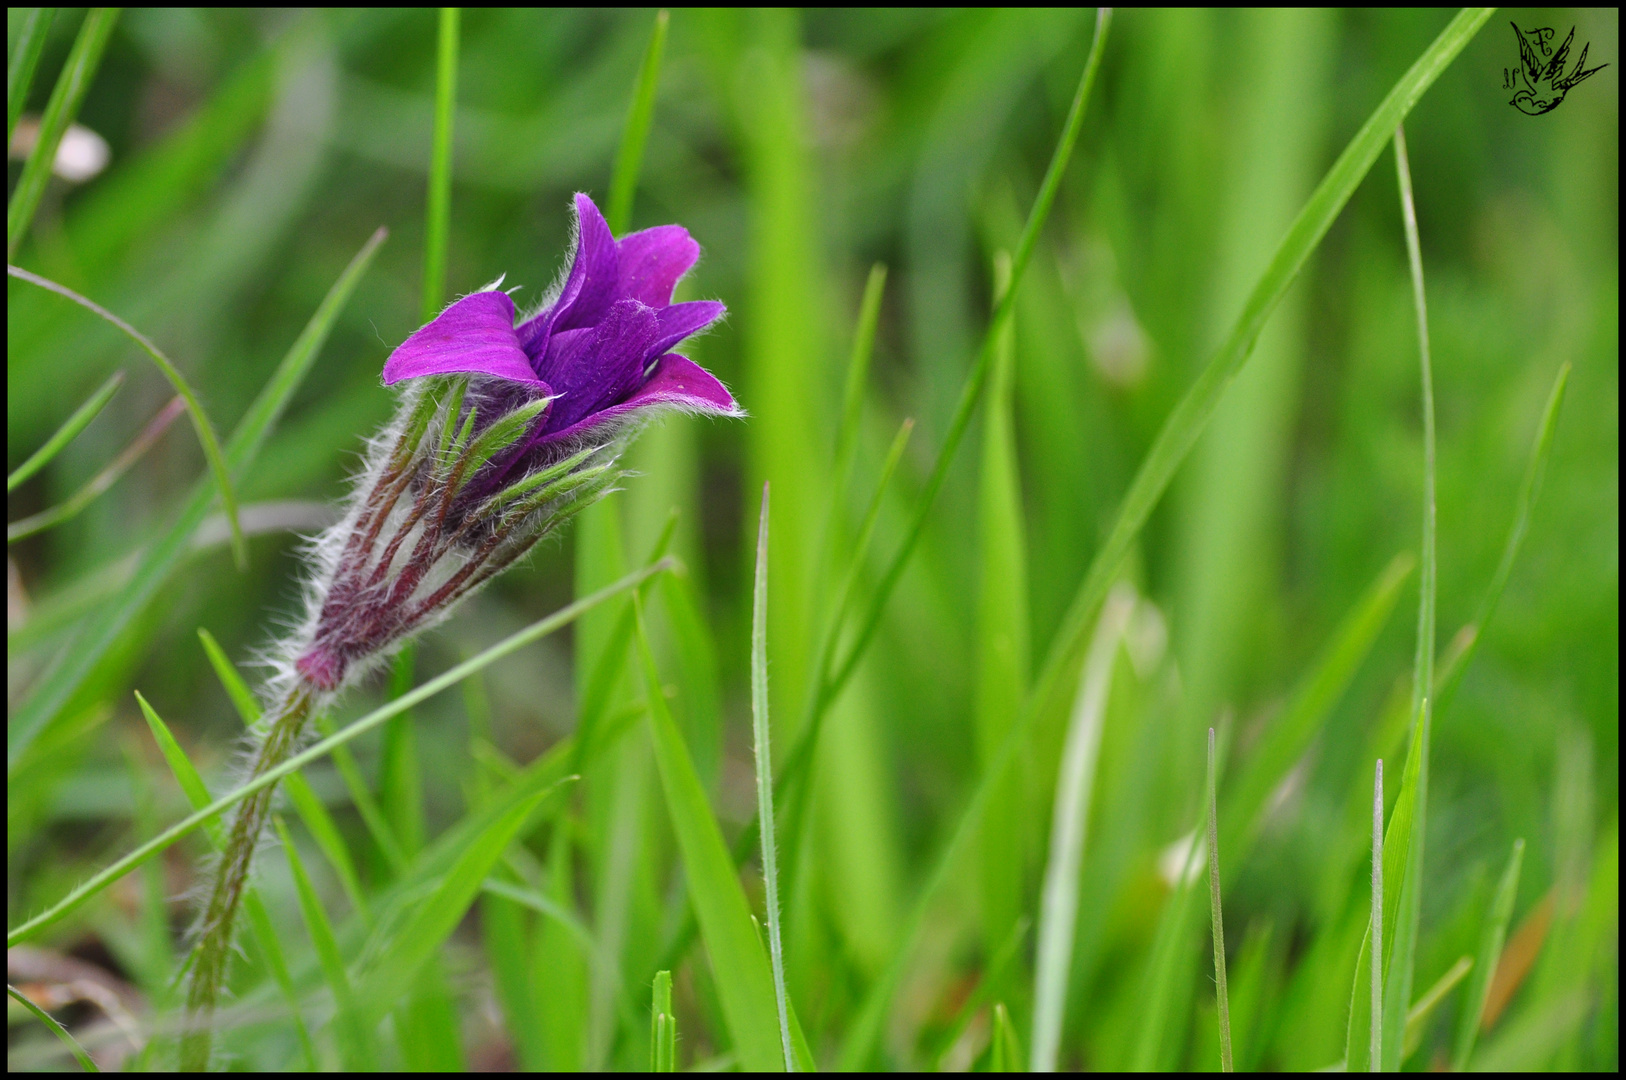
{"points": [[597, 264], [652, 261], [592, 369], [681, 320], [677, 382], [474, 335]]}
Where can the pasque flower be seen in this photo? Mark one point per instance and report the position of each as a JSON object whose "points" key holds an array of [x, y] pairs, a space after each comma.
{"points": [[506, 428]]}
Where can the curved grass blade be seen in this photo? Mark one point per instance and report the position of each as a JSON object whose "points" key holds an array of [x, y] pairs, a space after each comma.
{"points": [[1529, 490], [57, 1029], [70, 429], [764, 765], [739, 968], [60, 111], [438, 216], [1418, 1016], [537, 630], [629, 156], [200, 422], [24, 58], [1489, 956], [74, 666], [104, 479], [1216, 917]]}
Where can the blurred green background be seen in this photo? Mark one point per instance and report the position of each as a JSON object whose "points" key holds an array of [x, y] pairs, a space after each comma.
{"points": [[252, 153]]}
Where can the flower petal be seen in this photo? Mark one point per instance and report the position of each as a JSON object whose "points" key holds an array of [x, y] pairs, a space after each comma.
{"points": [[596, 268], [682, 320], [475, 334], [652, 261], [593, 369], [679, 381]]}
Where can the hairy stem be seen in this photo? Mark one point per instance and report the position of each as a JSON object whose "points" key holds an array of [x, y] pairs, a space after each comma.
{"points": [[212, 953]]}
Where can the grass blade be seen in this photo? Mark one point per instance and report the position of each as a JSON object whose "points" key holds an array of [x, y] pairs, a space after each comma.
{"points": [[1529, 490], [104, 479], [629, 156], [1005, 1052], [764, 763], [1216, 918], [1375, 923], [85, 1060], [69, 430], [354, 1036], [200, 422], [1487, 959], [56, 687], [1058, 912], [1417, 1017], [537, 630], [740, 969], [24, 58], [438, 215], [60, 111], [662, 1026]]}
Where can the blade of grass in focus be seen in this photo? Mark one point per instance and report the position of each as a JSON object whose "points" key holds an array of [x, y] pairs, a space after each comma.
{"points": [[1216, 917], [85, 1060], [438, 216], [764, 770], [739, 968], [70, 429], [60, 111], [357, 1047], [1487, 959], [50, 695], [662, 1026], [200, 421], [537, 630], [22, 59]]}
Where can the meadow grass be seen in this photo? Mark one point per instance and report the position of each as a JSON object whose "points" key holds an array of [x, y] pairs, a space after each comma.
{"points": [[1082, 356]]}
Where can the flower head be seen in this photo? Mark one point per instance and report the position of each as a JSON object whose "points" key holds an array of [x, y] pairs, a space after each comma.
{"points": [[599, 348], [504, 433]]}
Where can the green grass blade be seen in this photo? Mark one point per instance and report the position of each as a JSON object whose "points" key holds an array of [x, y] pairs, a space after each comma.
{"points": [[1183, 426], [23, 59], [1418, 1016], [543, 906], [831, 681], [764, 767], [237, 691], [105, 478], [518, 640], [1005, 1052], [1397, 988], [400, 788], [629, 156], [739, 968], [85, 1060], [662, 1026], [56, 687], [200, 422], [1216, 917], [1375, 919], [400, 955], [1489, 955], [438, 215], [1069, 824], [1285, 741], [1529, 490], [60, 112], [197, 793], [69, 431], [852, 395], [354, 1036]]}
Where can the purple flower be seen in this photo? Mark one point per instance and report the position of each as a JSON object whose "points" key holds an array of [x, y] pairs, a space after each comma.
{"points": [[598, 350]]}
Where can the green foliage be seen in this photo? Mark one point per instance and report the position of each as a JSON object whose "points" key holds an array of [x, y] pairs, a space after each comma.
{"points": [[1199, 442]]}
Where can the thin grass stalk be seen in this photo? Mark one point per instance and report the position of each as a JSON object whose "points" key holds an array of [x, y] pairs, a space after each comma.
{"points": [[105, 478], [200, 421], [60, 111], [536, 631], [70, 429], [438, 213], [629, 156], [25, 57], [1376, 1052], [764, 764], [85, 1060], [1058, 910], [1222, 995], [1490, 954]]}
